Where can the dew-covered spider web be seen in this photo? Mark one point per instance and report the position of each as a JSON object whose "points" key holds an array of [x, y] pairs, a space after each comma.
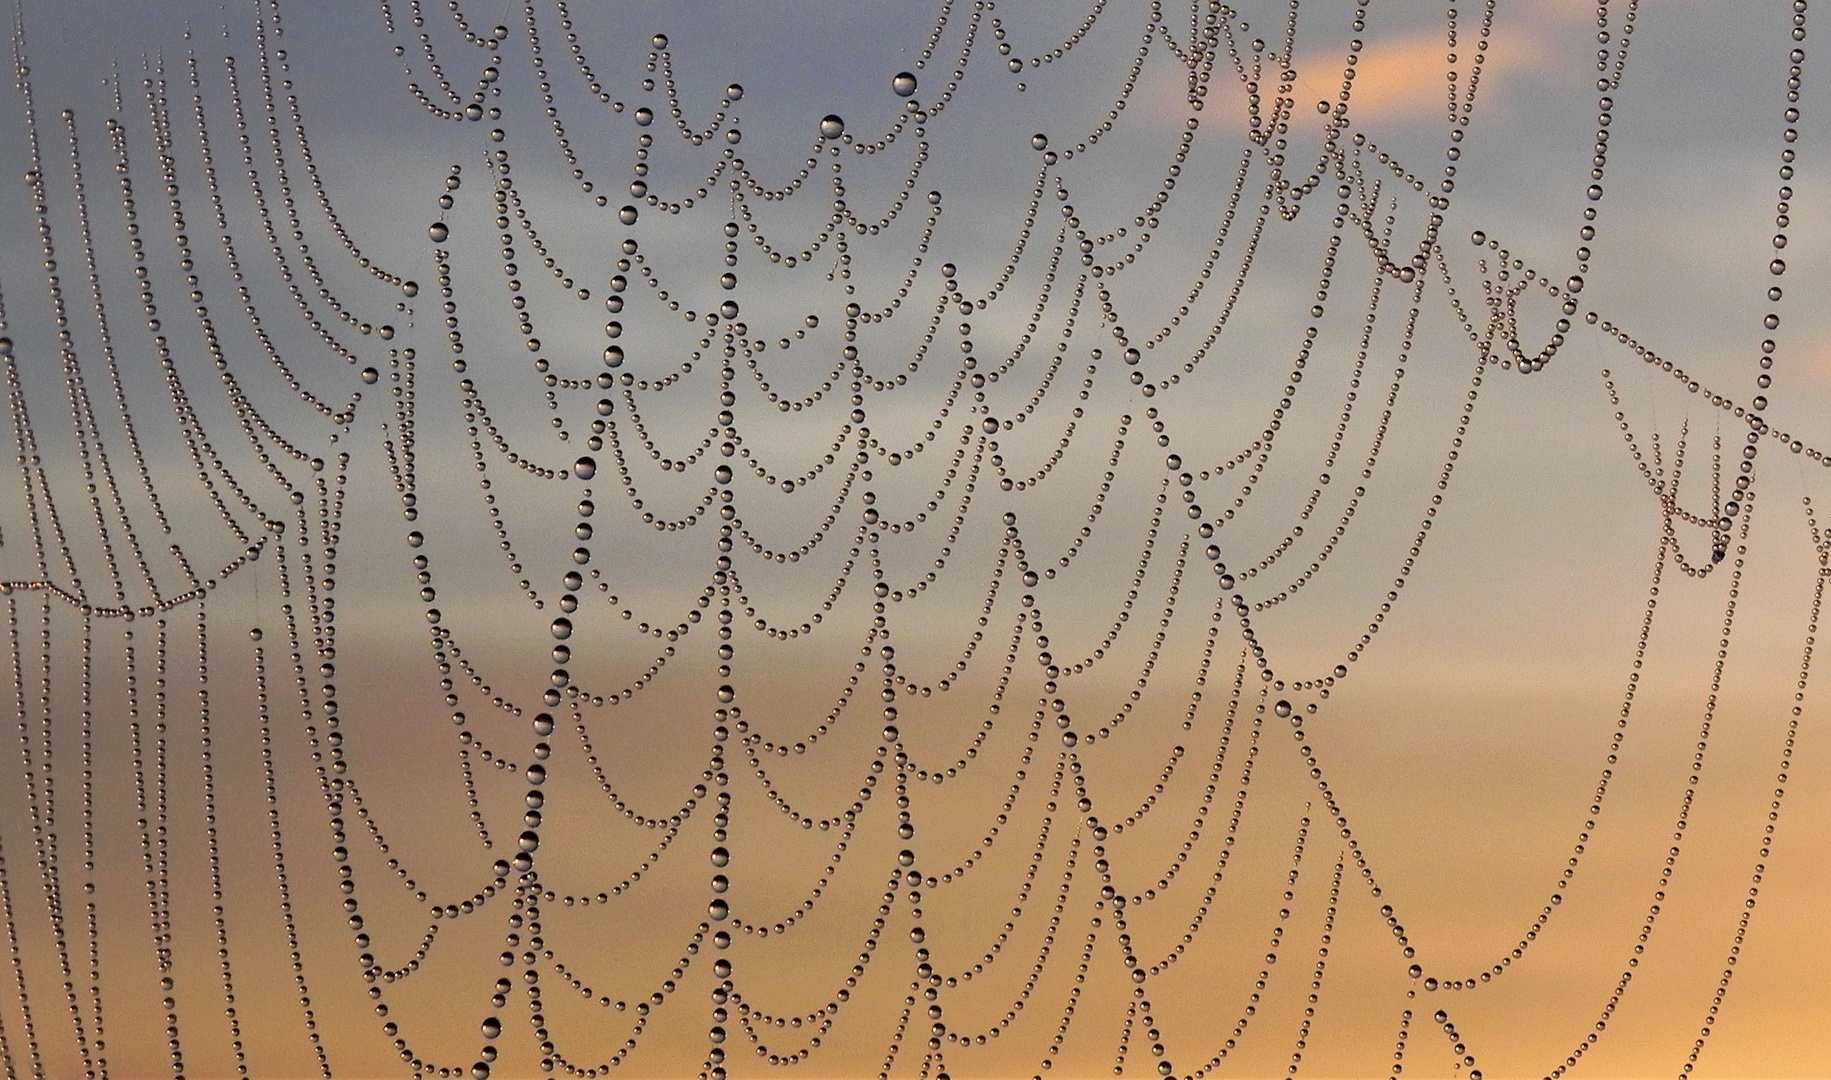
{"points": [[947, 539]]}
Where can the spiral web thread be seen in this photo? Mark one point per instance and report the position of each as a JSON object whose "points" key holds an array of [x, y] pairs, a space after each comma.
{"points": [[529, 573]]}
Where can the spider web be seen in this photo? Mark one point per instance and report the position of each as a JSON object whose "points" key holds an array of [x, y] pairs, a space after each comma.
{"points": [[970, 540]]}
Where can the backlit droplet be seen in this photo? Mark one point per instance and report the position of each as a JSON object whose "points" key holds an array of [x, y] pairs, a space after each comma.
{"points": [[439, 232], [734, 92], [904, 84], [585, 468], [1039, 142], [832, 127]]}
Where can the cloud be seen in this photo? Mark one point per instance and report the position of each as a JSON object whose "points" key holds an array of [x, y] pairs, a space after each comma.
{"points": [[1399, 76]]}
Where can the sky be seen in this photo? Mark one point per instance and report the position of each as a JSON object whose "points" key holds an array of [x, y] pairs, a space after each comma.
{"points": [[718, 551]]}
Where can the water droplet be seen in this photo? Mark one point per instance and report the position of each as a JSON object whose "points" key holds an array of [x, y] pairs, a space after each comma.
{"points": [[734, 92], [370, 375], [1039, 142], [627, 215], [904, 84], [645, 116], [439, 231], [1777, 267], [1595, 192], [1283, 708], [585, 468], [492, 1027], [660, 41], [832, 127], [1575, 284], [562, 629], [720, 857]]}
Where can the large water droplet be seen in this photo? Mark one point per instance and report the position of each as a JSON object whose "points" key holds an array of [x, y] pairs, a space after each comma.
{"points": [[904, 84], [832, 127], [585, 468], [439, 231]]}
